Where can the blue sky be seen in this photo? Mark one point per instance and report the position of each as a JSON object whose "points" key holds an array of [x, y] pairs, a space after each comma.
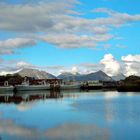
{"points": [[72, 35]]}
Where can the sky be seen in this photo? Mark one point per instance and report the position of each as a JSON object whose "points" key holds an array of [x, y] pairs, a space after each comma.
{"points": [[70, 36]]}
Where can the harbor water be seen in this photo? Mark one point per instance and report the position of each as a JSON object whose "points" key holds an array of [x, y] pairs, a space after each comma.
{"points": [[70, 115]]}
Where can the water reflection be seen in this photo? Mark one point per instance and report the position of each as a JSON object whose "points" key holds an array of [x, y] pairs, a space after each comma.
{"points": [[69, 115], [12, 129], [28, 96], [67, 131], [112, 107], [24, 106], [78, 132]]}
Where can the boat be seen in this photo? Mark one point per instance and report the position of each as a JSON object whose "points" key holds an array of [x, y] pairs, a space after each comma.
{"points": [[94, 85], [6, 88], [25, 86], [70, 86]]}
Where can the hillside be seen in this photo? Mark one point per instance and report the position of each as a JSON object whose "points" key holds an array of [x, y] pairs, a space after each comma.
{"points": [[36, 74], [99, 75]]}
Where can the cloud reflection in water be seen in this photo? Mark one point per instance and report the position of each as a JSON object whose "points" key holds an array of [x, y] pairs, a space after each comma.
{"points": [[65, 131], [77, 131]]}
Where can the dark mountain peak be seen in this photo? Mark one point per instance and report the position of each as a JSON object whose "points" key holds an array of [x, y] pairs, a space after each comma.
{"points": [[100, 72], [99, 75]]}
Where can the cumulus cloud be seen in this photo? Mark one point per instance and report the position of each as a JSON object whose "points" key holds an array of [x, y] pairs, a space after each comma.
{"points": [[23, 64], [72, 69], [56, 15], [75, 70], [13, 66], [8, 46], [60, 24], [129, 65], [56, 20], [86, 68], [83, 68], [33, 17], [111, 66], [132, 64]]}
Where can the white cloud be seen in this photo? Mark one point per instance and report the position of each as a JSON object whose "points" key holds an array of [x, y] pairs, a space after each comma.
{"points": [[13, 66], [76, 41], [115, 18], [33, 17], [72, 69], [129, 65], [111, 66], [8, 46], [7, 72], [60, 23], [131, 58], [54, 20], [132, 64], [22, 64], [75, 70]]}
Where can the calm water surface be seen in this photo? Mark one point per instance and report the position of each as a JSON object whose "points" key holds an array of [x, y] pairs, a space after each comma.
{"points": [[70, 115]]}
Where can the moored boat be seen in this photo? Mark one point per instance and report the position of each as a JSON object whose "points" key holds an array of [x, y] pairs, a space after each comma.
{"points": [[25, 86], [92, 86], [6, 87], [32, 87], [70, 86]]}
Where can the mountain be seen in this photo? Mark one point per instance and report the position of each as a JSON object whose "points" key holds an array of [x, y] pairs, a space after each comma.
{"points": [[67, 76], [118, 77], [36, 74], [99, 75]]}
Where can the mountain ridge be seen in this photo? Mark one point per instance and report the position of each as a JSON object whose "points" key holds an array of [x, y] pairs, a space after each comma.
{"points": [[35, 73], [68, 76], [99, 75], [119, 77]]}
